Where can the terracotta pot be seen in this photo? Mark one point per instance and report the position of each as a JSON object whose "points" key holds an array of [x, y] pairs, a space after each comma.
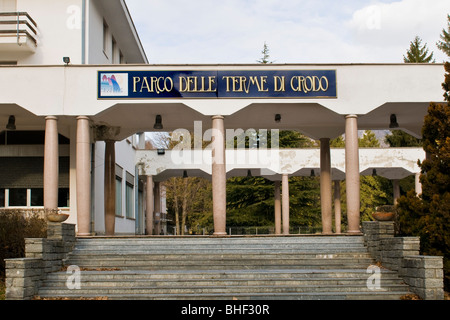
{"points": [[57, 217], [383, 216]]}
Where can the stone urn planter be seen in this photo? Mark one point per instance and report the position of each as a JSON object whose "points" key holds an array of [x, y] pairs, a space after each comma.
{"points": [[56, 216], [384, 213]]}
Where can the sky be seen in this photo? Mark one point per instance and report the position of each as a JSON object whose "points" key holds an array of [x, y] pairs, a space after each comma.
{"points": [[295, 31]]}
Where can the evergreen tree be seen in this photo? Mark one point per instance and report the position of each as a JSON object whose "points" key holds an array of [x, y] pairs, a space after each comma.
{"points": [[265, 53], [428, 215], [368, 140], [418, 53], [444, 43], [401, 139], [338, 142]]}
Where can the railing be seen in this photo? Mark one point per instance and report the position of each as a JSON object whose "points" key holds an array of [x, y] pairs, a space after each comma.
{"points": [[18, 24], [259, 230]]}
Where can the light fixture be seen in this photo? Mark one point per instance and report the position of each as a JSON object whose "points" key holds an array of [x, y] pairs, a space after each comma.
{"points": [[277, 117], [161, 151], [185, 175], [158, 122], [374, 173], [249, 173], [393, 123], [66, 60], [11, 123], [312, 173]]}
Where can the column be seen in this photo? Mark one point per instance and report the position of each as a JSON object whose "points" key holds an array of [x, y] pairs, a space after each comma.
{"points": [[157, 207], [83, 175], [396, 190], [337, 205], [325, 185], [51, 163], [285, 203], [149, 205], [218, 175], [277, 197], [352, 173], [110, 187], [418, 185]]}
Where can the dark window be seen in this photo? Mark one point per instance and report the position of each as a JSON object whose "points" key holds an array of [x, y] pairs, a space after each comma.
{"points": [[63, 197], [2, 197], [18, 197], [37, 197], [27, 137]]}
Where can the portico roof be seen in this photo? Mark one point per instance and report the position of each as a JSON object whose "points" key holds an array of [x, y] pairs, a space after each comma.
{"points": [[371, 91]]}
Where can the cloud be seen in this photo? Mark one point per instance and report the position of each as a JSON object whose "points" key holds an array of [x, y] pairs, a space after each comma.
{"points": [[306, 31], [388, 28]]}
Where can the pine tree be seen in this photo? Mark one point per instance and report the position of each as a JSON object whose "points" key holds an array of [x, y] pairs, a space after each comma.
{"points": [[418, 53], [400, 139], [444, 43], [428, 215], [266, 56]]}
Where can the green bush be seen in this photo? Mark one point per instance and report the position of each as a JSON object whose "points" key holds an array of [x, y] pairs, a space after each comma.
{"points": [[15, 226]]}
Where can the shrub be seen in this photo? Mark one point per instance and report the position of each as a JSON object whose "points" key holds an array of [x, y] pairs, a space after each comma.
{"points": [[15, 226]]}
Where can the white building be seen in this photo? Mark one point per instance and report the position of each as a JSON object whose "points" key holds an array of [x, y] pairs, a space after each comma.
{"points": [[44, 33], [97, 105]]}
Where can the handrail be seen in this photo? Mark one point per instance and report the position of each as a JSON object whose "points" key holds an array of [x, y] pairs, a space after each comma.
{"points": [[15, 14], [28, 23]]}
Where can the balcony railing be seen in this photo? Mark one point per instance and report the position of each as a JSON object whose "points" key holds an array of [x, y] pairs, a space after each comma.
{"points": [[17, 28]]}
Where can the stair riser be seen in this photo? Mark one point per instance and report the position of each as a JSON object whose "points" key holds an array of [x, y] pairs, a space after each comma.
{"points": [[85, 284], [224, 268], [217, 290], [186, 277]]}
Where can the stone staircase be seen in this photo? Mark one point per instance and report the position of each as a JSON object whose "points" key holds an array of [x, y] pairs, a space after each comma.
{"points": [[183, 268]]}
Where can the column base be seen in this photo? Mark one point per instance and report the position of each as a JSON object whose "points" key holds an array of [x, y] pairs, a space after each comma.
{"points": [[219, 234], [84, 234], [352, 232]]}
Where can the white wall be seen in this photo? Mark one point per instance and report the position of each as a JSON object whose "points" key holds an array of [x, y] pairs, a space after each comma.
{"points": [[95, 36], [59, 31]]}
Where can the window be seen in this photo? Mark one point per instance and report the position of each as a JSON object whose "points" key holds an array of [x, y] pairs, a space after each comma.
{"points": [[32, 197], [113, 49], [105, 38], [2, 197], [129, 200], [129, 195], [18, 197], [121, 58], [63, 197], [37, 197], [118, 196]]}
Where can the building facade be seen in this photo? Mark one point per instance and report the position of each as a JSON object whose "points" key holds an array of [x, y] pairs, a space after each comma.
{"points": [[54, 33], [77, 93]]}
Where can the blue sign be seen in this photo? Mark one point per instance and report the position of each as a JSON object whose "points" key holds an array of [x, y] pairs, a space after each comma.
{"points": [[217, 84]]}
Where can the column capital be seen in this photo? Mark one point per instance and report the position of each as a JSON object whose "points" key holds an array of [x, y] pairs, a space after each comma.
{"points": [[82, 118], [217, 117], [351, 116], [51, 118], [106, 133]]}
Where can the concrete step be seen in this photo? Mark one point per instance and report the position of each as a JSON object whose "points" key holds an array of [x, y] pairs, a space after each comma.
{"points": [[331, 267], [223, 274], [244, 296], [124, 264], [185, 280]]}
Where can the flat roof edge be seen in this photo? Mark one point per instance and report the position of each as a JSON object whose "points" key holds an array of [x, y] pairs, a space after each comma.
{"points": [[225, 65]]}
